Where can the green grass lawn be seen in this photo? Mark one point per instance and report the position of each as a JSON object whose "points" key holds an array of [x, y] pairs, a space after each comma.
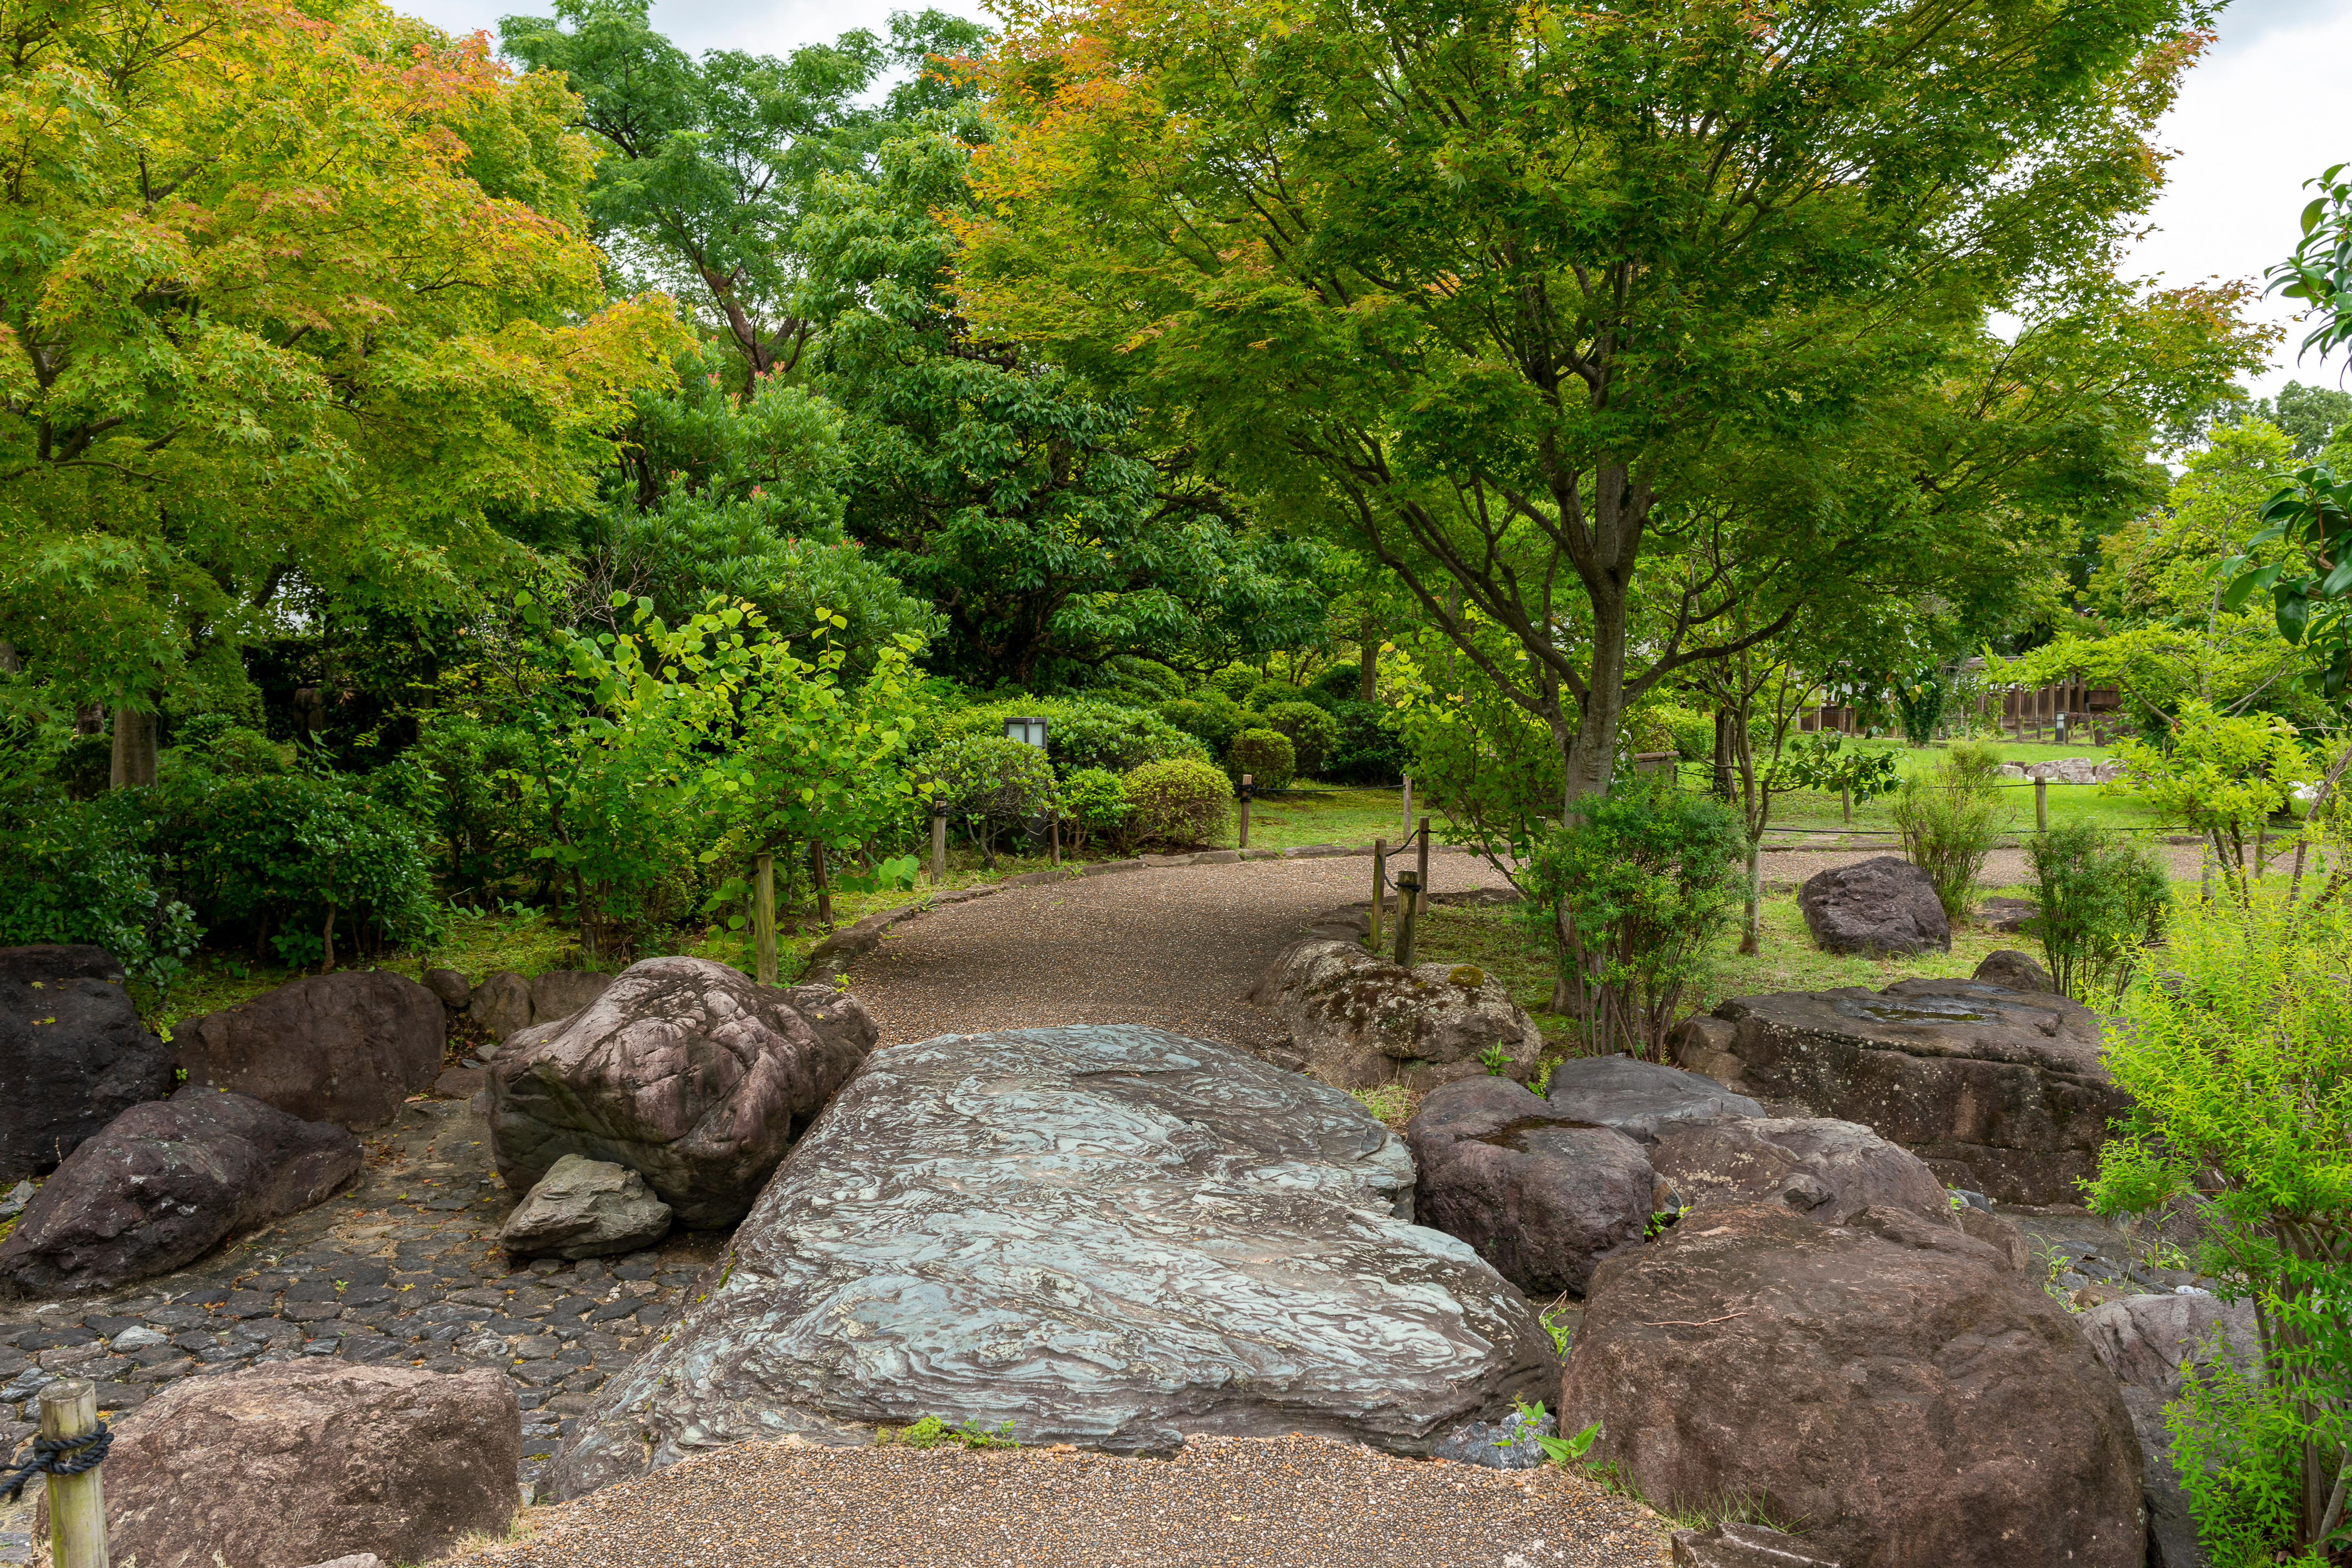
{"points": [[1327, 813]]}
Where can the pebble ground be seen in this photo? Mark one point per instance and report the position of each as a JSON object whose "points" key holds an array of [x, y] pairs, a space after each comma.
{"points": [[1237, 1502]]}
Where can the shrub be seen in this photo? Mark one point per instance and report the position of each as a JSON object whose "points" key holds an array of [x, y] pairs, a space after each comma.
{"points": [[2222, 776], [1266, 755], [1339, 683], [2239, 1064], [1629, 893], [1094, 807], [84, 873], [1180, 801], [1490, 767], [1371, 748], [1213, 720], [992, 782], [1312, 732], [86, 767], [1950, 820], [2101, 898], [1668, 727], [1269, 694], [1234, 682], [1080, 733]]}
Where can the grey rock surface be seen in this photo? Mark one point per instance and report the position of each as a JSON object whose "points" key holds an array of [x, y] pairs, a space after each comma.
{"points": [[1734, 1545], [2002, 1092], [73, 1054], [1827, 1169], [560, 993], [2015, 971], [501, 1004], [683, 1070], [1506, 1445], [1106, 1235], [2007, 916], [2147, 1341], [455, 991], [347, 1048], [1540, 1198], [1644, 1100], [1882, 905], [1361, 1021], [585, 1208]]}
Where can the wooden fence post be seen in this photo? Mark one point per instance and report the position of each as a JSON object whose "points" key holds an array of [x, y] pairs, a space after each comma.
{"points": [[1404, 828], [77, 1503], [1379, 887], [2041, 805], [1408, 895], [1421, 900], [763, 917], [1249, 783], [938, 842]]}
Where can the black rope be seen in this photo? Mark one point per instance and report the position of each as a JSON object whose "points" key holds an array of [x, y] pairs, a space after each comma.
{"points": [[58, 1457]]}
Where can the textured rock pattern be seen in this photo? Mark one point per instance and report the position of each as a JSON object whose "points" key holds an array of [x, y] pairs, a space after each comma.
{"points": [[1829, 1171], [2144, 1341], [73, 1054], [1734, 1545], [2002, 1092], [1919, 1404], [501, 1004], [1644, 1100], [2014, 971], [347, 1048], [1536, 1195], [274, 1466], [163, 1183], [1882, 905], [1106, 1235], [683, 1070], [560, 993], [585, 1208], [1506, 1445], [1359, 1021]]}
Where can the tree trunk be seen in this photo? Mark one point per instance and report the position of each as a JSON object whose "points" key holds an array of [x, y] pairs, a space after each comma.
{"points": [[134, 749], [1591, 757], [10, 662], [1367, 661], [1723, 733]]}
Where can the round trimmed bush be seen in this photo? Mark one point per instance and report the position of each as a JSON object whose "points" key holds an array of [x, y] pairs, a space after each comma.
{"points": [[1268, 756], [1095, 808], [1269, 694], [1213, 720], [1313, 732], [992, 784], [1234, 682], [1180, 801]]}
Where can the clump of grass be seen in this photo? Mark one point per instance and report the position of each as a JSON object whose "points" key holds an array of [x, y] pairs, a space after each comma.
{"points": [[931, 1432], [1389, 1103]]}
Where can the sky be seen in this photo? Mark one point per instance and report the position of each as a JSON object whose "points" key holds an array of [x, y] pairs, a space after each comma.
{"points": [[2263, 113]]}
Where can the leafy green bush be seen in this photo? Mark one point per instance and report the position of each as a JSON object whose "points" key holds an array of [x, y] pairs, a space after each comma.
{"points": [[1312, 732], [1269, 694], [1629, 893], [2101, 897], [485, 801], [86, 767], [2238, 1060], [1094, 808], [1339, 683], [1371, 748], [1266, 755], [244, 752], [992, 783], [1234, 682], [2223, 776], [1080, 733], [1950, 819], [85, 872], [1182, 801], [1488, 765], [1213, 720]]}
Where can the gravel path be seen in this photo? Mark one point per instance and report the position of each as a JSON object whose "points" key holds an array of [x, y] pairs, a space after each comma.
{"points": [[1235, 1502], [1172, 946]]}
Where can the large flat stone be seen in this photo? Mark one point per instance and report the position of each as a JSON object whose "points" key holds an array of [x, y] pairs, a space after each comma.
{"points": [[349, 1047], [1108, 1236]]}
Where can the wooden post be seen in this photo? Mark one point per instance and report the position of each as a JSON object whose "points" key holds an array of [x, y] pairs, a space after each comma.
{"points": [[2041, 805], [1249, 782], [1404, 829], [763, 917], [1379, 887], [1054, 832], [77, 1503], [1846, 803], [823, 889], [1408, 895], [1420, 898], [938, 842]]}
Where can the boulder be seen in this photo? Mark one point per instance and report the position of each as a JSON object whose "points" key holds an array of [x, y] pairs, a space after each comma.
{"points": [[1893, 1387], [2003, 1092], [349, 1047], [560, 993], [455, 991], [73, 1054], [2014, 971], [278, 1463], [682, 1070], [501, 1004], [1827, 1171], [1536, 1195], [1359, 1021], [1731, 1544], [1644, 1100], [163, 1183], [1882, 905], [1106, 1235], [2007, 916], [585, 1208], [1509, 1444], [2146, 1340]]}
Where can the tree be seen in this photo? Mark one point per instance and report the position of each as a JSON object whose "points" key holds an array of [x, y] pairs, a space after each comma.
{"points": [[1489, 286], [287, 301]]}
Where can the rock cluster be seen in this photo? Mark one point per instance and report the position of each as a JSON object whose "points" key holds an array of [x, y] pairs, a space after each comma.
{"points": [[1358, 1021]]}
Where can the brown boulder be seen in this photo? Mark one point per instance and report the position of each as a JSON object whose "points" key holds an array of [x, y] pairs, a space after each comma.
{"points": [[280, 1464], [1829, 1171], [451, 987], [1359, 1021], [2003, 1092], [1892, 1385], [73, 1054], [2014, 971], [684, 1071], [1882, 905], [2146, 1340], [501, 1004], [1536, 1194], [347, 1048], [163, 1183], [560, 993]]}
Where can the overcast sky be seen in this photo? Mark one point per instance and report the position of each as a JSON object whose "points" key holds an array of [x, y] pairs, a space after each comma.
{"points": [[2263, 113]]}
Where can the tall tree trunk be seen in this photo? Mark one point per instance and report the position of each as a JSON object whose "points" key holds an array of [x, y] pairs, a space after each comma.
{"points": [[1723, 723], [1591, 758], [134, 749], [1367, 661], [10, 661]]}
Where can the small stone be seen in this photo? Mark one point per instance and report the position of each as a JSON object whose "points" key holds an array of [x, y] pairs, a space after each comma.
{"points": [[130, 1339]]}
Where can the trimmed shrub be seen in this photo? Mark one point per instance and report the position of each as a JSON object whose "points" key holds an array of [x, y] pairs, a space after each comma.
{"points": [[1213, 720], [991, 784], [1266, 756], [1339, 683], [83, 872], [1181, 801], [1080, 733], [1269, 694], [1234, 682], [1094, 808], [1371, 748], [1312, 734]]}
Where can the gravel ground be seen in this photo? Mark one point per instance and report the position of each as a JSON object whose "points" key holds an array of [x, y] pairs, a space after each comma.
{"points": [[1278, 1502], [1174, 946]]}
